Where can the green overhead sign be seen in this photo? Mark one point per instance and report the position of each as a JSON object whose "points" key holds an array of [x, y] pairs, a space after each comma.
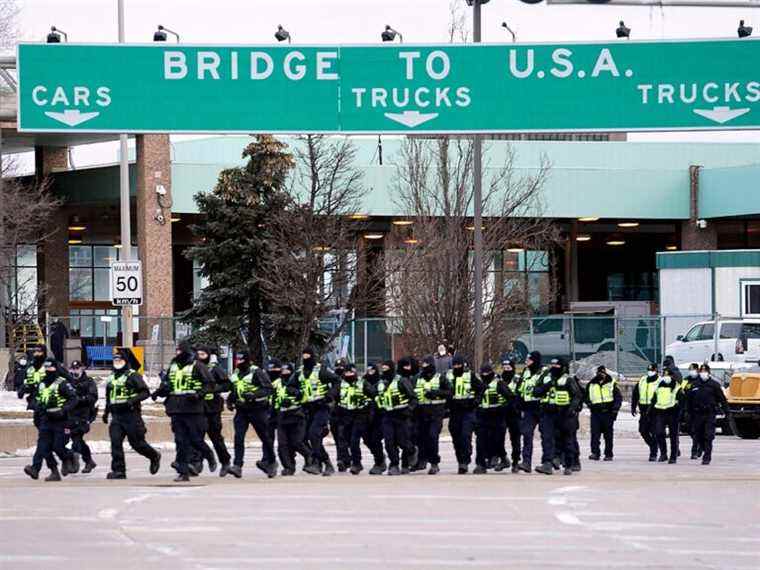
{"points": [[622, 86]]}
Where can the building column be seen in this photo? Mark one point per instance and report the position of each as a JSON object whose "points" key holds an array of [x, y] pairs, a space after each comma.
{"points": [[154, 233], [694, 237], [53, 275]]}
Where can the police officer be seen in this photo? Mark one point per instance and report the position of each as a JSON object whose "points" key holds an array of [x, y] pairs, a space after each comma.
{"points": [[354, 405], [466, 388], [432, 389], [604, 399], [251, 390], [55, 398], [336, 422], [686, 385], [560, 400], [125, 389], [291, 420], [213, 405], [491, 422], [83, 414], [643, 394], [184, 388], [705, 399], [320, 389], [529, 406], [19, 371], [375, 428], [397, 399], [665, 404], [511, 412]]}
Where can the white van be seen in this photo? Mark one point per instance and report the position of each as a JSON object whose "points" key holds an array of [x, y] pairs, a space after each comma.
{"points": [[738, 341]]}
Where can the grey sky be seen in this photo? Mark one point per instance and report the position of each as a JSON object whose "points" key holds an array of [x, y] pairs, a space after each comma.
{"points": [[361, 21]]}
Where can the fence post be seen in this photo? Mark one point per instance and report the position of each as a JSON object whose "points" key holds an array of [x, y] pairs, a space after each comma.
{"points": [[353, 340], [572, 338], [716, 336], [366, 356], [617, 344], [530, 333]]}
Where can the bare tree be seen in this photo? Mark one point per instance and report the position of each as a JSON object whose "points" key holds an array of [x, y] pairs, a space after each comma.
{"points": [[311, 271], [8, 31], [430, 284]]}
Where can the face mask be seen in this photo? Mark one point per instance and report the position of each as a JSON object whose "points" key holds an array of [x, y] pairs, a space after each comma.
{"points": [[76, 373], [458, 370], [556, 372], [407, 369], [488, 376], [22, 362], [350, 377], [651, 373], [693, 374], [704, 375], [442, 352], [119, 366], [50, 370], [275, 373]]}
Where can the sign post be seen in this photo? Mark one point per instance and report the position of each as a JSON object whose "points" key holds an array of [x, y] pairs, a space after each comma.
{"points": [[466, 89], [126, 283]]}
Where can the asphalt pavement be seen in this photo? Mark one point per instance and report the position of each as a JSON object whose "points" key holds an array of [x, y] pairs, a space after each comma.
{"points": [[625, 514]]}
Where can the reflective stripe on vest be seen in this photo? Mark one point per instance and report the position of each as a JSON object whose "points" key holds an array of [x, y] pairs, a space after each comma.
{"points": [[245, 385], [424, 385], [393, 398], [120, 392], [666, 394], [33, 376], [647, 390], [601, 393], [352, 395], [529, 381], [50, 397], [491, 397], [282, 401], [559, 395], [313, 389], [210, 395], [181, 380], [462, 386]]}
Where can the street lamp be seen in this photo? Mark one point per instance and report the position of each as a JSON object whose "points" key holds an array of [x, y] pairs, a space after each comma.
{"points": [[54, 37], [390, 34], [506, 27], [623, 31], [160, 34], [282, 34], [744, 31]]}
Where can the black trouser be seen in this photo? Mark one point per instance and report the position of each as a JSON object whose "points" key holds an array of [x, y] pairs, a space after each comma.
{"points": [[375, 435], [646, 429], [602, 425], [674, 427], [78, 444], [318, 419], [566, 437], [663, 420], [354, 427], [490, 432], [547, 425], [340, 424], [703, 432], [291, 428], [189, 431], [528, 423], [129, 425], [258, 417], [512, 416], [50, 461], [213, 423], [396, 428], [429, 426], [51, 437], [461, 427]]}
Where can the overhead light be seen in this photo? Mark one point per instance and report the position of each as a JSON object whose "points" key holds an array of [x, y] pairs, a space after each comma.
{"points": [[160, 34], [628, 224], [402, 222], [390, 34], [583, 237], [615, 242], [506, 27], [588, 219], [744, 31], [174, 219], [358, 217], [77, 228], [623, 31], [54, 37], [321, 248], [374, 236], [671, 247], [282, 34], [515, 249], [411, 241], [75, 241], [117, 245], [472, 228]]}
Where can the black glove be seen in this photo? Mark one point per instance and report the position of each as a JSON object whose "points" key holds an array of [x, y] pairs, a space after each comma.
{"points": [[105, 417], [633, 412], [230, 405]]}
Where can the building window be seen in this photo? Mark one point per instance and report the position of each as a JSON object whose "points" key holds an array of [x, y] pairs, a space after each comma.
{"points": [[750, 292], [22, 282], [528, 271], [89, 272]]}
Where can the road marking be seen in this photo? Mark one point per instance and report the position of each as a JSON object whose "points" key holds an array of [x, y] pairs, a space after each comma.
{"points": [[569, 489], [557, 501], [567, 517], [179, 529], [107, 514], [138, 499]]}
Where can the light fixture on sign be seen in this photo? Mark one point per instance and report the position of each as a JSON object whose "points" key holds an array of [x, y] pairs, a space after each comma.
{"points": [[282, 34], [160, 34], [54, 37], [744, 31], [671, 247], [389, 34], [623, 31]]}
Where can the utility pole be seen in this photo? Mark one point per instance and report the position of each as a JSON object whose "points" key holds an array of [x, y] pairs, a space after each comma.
{"points": [[126, 222], [477, 166]]}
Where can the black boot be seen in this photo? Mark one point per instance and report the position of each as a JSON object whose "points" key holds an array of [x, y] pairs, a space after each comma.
{"points": [[463, 469], [182, 478], [33, 472], [342, 467], [394, 470], [356, 468], [212, 464], [662, 459], [546, 468], [434, 469], [272, 470], [594, 457], [155, 463], [329, 469], [116, 475], [75, 463], [672, 460], [224, 470], [89, 466], [54, 475], [706, 460], [236, 471], [567, 471], [479, 470], [523, 466], [313, 468], [378, 468]]}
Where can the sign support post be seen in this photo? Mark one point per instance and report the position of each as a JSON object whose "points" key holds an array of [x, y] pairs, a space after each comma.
{"points": [[477, 164]]}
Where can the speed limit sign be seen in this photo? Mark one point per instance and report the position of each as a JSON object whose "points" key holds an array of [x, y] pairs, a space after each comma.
{"points": [[126, 283]]}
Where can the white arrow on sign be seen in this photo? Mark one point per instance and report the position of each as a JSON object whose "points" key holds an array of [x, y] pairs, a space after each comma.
{"points": [[411, 118], [72, 117], [721, 114]]}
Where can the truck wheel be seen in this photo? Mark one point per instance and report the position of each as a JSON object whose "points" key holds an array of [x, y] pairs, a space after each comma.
{"points": [[521, 352], [745, 428]]}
